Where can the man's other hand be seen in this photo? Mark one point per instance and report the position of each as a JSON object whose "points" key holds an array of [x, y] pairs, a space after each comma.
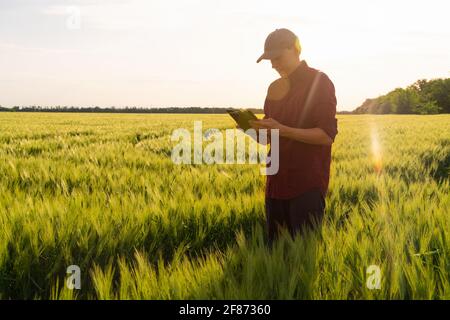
{"points": [[268, 123]]}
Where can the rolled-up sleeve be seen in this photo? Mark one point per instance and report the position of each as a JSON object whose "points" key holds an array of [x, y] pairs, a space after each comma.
{"points": [[325, 108]]}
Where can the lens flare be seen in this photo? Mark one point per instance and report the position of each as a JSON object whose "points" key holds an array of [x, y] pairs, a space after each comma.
{"points": [[376, 149]]}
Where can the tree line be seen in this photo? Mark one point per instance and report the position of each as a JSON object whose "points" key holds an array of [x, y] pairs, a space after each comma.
{"points": [[120, 110], [129, 109], [422, 97]]}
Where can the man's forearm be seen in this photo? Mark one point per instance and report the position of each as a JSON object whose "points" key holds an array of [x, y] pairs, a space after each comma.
{"points": [[311, 136]]}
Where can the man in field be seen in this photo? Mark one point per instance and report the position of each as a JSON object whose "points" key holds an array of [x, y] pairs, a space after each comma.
{"points": [[302, 106]]}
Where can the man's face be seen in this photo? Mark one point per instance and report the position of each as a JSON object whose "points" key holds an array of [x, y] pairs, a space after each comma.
{"points": [[283, 62]]}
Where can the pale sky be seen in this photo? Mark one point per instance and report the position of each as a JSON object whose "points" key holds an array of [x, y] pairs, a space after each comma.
{"points": [[152, 53]]}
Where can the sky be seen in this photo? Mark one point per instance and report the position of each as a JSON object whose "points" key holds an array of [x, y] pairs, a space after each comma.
{"points": [[166, 53]]}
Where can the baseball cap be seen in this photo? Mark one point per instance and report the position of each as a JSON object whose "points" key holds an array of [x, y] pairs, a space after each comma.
{"points": [[277, 41]]}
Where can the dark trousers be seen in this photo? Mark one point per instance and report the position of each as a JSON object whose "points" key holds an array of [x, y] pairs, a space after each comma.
{"points": [[304, 211]]}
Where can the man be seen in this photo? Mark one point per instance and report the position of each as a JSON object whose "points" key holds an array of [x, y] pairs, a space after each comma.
{"points": [[302, 106]]}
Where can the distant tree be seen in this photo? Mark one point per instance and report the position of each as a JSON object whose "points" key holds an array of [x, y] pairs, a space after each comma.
{"points": [[402, 101], [429, 107], [127, 109], [422, 97], [385, 108], [437, 91]]}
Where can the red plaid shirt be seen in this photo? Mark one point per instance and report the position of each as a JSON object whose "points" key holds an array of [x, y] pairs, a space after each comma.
{"points": [[305, 99]]}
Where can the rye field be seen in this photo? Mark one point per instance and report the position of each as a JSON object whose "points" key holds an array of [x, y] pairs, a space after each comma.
{"points": [[101, 192]]}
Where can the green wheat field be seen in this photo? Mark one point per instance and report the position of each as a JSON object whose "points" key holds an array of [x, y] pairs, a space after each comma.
{"points": [[100, 191]]}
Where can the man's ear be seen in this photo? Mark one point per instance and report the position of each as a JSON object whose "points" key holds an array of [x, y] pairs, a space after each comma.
{"points": [[297, 46], [294, 50]]}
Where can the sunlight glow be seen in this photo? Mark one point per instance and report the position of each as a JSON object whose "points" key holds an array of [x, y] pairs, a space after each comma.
{"points": [[201, 53], [376, 149]]}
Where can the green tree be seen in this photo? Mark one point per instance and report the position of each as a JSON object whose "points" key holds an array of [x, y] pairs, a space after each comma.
{"points": [[429, 107]]}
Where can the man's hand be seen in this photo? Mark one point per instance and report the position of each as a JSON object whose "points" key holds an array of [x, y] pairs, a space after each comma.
{"points": [[257, 135], [311, 136], [268, 123]]}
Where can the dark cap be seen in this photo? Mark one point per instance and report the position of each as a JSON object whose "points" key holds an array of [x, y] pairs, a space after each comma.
{"points": [[277, 41]]}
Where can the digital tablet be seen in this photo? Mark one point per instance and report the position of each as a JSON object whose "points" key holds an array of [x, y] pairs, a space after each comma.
{"points": [[242, 117]]}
